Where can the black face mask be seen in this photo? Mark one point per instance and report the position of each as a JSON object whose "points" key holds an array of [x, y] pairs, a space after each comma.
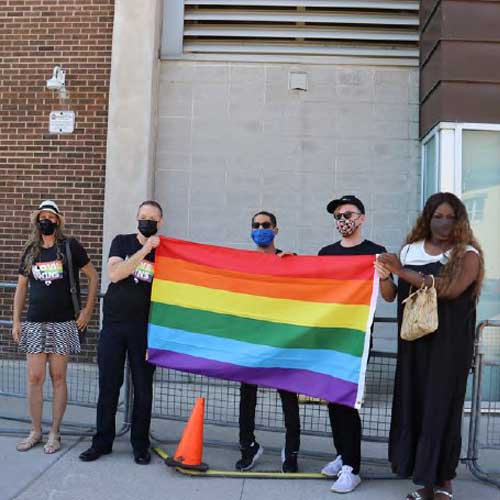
{"points": [[442, 228], [147, 227], [47, 227]]}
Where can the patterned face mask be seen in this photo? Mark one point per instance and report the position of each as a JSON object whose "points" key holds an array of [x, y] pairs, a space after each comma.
{"points": [[346, 227]]}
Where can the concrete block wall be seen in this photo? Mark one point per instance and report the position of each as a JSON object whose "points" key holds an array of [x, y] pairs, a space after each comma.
{"points": [[232, 140]]}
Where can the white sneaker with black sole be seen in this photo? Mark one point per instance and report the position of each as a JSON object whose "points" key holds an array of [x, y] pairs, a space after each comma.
{"points": [[347, 481], [333, 468]]}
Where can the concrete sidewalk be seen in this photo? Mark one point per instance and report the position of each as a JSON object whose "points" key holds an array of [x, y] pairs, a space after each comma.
{"points": [[62, 476]]}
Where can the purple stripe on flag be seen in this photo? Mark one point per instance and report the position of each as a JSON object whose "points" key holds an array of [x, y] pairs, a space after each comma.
{"points": [[301, 381]]}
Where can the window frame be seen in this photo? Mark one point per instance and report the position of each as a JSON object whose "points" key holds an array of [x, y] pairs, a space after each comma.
{"points": [[449, 153]]}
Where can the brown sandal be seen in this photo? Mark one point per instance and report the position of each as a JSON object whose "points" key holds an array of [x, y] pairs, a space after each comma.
{"points": [[32, 440], [53, 443]]}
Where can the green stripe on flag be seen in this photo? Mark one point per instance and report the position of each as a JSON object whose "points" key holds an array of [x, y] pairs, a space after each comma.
{"points": [[253, 331]]}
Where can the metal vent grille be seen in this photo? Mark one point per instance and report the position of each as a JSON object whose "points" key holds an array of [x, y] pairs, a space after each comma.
{"points": [[366, 28]]}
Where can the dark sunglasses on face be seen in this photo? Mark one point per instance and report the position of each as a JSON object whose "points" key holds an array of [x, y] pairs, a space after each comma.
{"points": [[346, 215], [265, 225]]}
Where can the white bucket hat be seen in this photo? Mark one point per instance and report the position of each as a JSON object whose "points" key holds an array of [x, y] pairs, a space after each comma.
{"points": [[47, 206]]}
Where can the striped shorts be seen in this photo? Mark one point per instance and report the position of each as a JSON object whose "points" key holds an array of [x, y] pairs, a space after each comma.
{"points": [[50, 338]]}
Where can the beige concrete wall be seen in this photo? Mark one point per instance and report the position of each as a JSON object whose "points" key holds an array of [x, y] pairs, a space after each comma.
{"points": [[233, 140], [132, 115]]}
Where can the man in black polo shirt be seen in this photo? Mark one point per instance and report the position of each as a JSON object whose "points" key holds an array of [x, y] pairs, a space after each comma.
{"points": [[124, 333], [349, 214]]}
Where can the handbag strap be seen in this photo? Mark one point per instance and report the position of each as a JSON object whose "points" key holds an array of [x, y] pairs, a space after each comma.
{"points": [[422, 287], [72, 281]]}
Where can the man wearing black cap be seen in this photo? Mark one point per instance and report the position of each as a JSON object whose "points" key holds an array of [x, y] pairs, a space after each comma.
{"points": [[349, 214]]}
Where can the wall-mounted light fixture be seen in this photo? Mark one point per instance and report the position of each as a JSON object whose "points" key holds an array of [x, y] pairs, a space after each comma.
{"points": [[58, 82]]}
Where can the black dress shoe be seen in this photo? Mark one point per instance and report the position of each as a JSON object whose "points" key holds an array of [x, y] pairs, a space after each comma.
{"points": [[142, 457], [92, 454]]}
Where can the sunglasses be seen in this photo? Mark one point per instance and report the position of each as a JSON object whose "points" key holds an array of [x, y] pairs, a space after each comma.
{"points": [[265, 225], [346, 215]]}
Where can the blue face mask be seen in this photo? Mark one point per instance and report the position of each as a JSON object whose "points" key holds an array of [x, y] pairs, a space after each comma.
{"points": [[263, 237]]}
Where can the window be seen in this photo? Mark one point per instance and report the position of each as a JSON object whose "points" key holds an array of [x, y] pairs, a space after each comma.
{"points": [[367, 28], [469, 166]]}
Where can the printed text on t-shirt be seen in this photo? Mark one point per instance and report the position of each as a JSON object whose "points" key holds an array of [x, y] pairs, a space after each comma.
{"points": [[48, 271], [144, 271]]}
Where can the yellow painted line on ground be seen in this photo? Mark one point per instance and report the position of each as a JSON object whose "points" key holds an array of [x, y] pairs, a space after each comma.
{"points": [[248, 474]]}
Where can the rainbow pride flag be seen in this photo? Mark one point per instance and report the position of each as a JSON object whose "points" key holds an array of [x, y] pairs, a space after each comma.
{"points": [[298, 323]]}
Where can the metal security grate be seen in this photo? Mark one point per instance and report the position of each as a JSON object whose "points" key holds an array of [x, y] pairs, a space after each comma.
{"points": [[366, 28], [175, 393]]}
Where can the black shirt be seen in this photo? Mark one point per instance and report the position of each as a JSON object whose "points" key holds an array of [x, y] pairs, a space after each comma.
{"points": [[129, 299], [49, 288], [366, 247]]}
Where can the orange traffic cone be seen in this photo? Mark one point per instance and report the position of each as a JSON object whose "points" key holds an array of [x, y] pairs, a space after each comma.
{"points": [[190, 449]]}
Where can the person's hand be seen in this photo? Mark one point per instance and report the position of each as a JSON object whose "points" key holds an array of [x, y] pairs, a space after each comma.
{"points": [[285, 254], [152, 242], [390, 261], [83, 319], [382, 271], [16, 332]]}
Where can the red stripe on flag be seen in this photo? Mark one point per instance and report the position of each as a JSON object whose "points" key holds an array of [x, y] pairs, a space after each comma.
{"points": [[355, 267]]}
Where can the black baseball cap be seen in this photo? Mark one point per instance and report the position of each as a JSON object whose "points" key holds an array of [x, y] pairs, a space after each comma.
{"points": [[344, 200]]}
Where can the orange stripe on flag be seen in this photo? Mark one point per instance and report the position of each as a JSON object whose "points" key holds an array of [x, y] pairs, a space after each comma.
{"points": [[354, 292]]}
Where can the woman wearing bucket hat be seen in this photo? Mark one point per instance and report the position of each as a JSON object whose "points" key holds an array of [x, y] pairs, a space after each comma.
{"points": [[50, 332]]}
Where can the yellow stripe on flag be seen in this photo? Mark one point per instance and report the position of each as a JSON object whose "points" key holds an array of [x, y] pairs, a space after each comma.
{"points": [[294, 312]]}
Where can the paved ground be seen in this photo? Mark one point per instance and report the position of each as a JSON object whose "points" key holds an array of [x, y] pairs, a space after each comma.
{"points": [[62, 476]]}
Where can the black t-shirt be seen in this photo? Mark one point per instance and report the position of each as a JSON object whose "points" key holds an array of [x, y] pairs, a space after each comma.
{"points": [[366, 247], [129, 299], [49, 287]]}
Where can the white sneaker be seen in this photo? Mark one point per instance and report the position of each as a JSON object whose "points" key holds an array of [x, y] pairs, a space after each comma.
{"points": [[347, 481], [333, 468]]}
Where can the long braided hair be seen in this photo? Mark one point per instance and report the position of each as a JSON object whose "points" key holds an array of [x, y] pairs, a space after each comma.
{"points": [[461, 237]]}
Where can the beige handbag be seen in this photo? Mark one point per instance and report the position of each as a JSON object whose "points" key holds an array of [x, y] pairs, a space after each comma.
{"points": [[420, 314]]}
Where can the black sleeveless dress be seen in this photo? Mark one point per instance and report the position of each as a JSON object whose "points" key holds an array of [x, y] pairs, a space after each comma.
{"points": [[429, 392]]}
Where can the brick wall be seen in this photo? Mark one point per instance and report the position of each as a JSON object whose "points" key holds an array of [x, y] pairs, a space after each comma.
{"points": [[36, 35]]}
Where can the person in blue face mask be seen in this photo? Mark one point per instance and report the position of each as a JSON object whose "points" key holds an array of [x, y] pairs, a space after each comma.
{"points": [[263, 233]]}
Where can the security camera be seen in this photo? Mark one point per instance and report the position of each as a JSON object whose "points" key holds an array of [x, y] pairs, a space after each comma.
{"points": [[57, 82]]}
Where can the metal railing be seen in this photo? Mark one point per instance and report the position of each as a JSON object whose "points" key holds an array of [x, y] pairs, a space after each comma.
{"points": [[484, 430], [83, 388], [175, 392]]}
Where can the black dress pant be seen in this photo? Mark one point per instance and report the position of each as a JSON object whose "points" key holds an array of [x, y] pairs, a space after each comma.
{"points": [[346, 431], [118, 340], [290, 405]]}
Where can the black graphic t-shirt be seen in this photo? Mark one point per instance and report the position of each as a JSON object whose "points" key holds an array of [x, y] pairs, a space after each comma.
{"points": [[49, 288], [129, 299]]}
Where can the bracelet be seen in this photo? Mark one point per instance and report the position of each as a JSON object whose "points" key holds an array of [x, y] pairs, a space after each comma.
{"points": [[423, 278]]}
